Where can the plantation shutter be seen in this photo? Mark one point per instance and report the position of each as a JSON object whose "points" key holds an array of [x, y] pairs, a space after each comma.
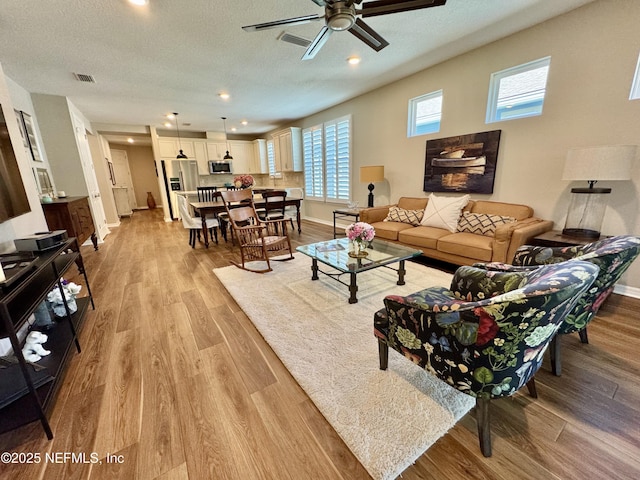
{"points": [[313, 163], [271, 158]]}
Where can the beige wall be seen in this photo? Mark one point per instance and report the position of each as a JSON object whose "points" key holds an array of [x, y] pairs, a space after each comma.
{"points": [[143, 173], [593, 52]]}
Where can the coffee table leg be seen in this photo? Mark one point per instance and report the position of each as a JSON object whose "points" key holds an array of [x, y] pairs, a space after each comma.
{"points": [[401, 272], [314, 269], [353, 289]]}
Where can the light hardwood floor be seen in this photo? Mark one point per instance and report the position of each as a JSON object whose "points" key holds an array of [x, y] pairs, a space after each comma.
{"points": [[175, 382]]}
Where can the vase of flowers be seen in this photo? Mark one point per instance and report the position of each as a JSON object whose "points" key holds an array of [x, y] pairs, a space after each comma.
{"points": [[243, 181], [360, 234]]}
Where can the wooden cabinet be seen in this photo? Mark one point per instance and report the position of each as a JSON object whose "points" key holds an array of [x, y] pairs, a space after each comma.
{"points": [[216, 150], [200, 154], [28, 390], [73, 215], [170, 147], [287, 148], [242, 153]]}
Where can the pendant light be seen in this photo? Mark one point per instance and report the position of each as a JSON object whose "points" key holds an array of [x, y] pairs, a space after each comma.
{"points": [[224, 123], [180, 155]]}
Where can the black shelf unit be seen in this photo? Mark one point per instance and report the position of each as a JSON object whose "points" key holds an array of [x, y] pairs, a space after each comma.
{"points": [[27, 390]]}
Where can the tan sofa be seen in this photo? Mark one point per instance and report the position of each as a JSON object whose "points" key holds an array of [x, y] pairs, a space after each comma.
{"points": [[460, 248]]}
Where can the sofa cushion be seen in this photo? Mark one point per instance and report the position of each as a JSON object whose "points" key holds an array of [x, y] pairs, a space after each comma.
{"points": [[443, 212], [397, 214], [389, 230], [467, 245], [519, 212], [425, 237], [482, 223], [412, 203]]}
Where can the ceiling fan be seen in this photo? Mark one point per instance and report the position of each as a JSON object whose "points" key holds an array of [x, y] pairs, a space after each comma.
{"points": [[341, 15]]}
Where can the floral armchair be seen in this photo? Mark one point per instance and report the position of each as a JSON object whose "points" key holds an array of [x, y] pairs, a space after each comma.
{"points": [[486, 335], [613, 255]]}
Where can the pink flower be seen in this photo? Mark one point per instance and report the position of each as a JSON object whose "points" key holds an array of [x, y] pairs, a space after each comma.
{"points": [[360, 231]]}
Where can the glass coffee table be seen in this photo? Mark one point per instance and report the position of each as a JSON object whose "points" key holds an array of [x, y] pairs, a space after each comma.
{"points": [[335, 254]]}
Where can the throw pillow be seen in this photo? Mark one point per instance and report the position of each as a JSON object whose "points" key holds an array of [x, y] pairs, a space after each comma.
{"points": [[443, 212], [397, 214], [482, 223]]}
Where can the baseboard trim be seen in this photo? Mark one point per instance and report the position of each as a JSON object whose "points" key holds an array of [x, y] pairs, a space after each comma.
{"points": [[633, 292]]}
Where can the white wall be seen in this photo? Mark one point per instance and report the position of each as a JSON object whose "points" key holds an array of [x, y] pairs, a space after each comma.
{"points": [[593, 52], [33, 221]]}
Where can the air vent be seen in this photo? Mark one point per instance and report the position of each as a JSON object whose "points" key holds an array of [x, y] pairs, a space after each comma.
{"points": [[83, 77], [287, 37]]}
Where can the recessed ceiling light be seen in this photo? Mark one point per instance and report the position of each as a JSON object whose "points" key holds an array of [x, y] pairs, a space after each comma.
{"points": [[168, 125], [233, 129], [139, 2], [353, 60], [224, 96], [244, 122], [130, 140], [170, 116]]}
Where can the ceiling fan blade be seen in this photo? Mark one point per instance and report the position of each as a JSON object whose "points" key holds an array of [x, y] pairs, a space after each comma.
{"points": [[317, 43], [368, 35], [320, 3], [278, 23], [384, 7]]}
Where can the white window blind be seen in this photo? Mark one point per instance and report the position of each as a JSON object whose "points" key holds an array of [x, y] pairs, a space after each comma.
{"points": [[271, 159], [327, 160], [313, 163]]}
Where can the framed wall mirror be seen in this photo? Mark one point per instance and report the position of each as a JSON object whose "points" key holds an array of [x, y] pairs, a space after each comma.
{"points": [[31, 137], [44, 181]]}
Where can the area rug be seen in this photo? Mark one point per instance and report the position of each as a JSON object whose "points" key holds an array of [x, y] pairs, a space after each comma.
{"points": [[387, 418]]}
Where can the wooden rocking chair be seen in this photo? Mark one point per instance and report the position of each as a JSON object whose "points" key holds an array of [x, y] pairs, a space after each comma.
{"points": [[258, 239]]}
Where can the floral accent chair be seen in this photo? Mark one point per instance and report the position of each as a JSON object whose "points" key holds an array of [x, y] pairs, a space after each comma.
{"points": [[613, 255], [486, 335]]}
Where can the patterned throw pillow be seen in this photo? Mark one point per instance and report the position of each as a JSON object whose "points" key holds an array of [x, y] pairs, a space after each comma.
{"points": [[443, 212], [397, 214], [482, 223]]}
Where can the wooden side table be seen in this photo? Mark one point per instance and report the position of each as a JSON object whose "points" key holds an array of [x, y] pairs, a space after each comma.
{"points": [[555, 238], [344, 213]]}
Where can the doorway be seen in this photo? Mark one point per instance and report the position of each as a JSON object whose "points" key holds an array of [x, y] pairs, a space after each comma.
{"points": [[122, 172]]}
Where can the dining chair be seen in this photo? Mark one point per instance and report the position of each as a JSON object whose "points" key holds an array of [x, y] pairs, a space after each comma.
{"points": [[206, 194], [259, 240], [274, 207], [194, 225]]}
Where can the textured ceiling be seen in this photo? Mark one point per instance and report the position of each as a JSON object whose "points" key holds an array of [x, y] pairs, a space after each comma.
{"points": [[177, 55]]}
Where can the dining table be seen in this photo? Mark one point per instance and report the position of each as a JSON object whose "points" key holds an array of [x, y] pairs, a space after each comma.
{"points": [[214, 208]]}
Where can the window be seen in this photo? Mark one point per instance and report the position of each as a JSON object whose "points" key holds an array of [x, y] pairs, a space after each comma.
{"points": [[425, 112], [327, 161], [518, 92], [635, 86]]}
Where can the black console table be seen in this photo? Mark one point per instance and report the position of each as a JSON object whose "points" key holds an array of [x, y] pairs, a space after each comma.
{"points": [[27, 390]]}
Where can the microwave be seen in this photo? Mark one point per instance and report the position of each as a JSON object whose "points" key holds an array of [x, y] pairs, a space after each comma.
{"points": [[219, 167]]}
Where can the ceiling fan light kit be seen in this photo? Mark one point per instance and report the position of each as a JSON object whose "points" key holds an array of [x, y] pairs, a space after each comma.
{"points": [[342, 16]]}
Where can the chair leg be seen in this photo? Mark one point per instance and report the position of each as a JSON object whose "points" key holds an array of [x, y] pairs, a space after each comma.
{"points": [[214, 233], [383, 353], [554, 351], [531, 386], [583, 335], [192, 238], [484, 430]]}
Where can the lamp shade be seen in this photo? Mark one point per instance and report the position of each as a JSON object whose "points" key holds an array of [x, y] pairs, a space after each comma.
{"points": [[599, 163], [372, 174]]}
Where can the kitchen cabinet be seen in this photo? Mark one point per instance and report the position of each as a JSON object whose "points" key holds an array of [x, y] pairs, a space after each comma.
{"points": [[287, 148], [200, 154], [216, 150], [260, 158], [170, 147], [28, 391], [242, 153]]}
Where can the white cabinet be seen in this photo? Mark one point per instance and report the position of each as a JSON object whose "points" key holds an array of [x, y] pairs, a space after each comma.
{"points": [[170, 147], [242, 153], [216, 151], [287, 149], [260, 157], [200, 154]]}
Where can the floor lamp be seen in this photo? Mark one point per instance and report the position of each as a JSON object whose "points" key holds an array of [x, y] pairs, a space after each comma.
{"points": [[586, 210], [371, 175]]}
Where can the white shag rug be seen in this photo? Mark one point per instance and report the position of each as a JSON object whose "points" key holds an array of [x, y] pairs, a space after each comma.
{"points": [[387, 418]]}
